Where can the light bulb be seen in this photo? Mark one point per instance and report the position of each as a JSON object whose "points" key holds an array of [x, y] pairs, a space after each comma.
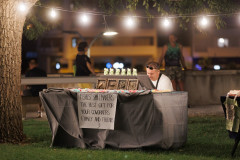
{"points": [[130, 22], [166, 23], [22, 7], [84, 19], [110, 33], [53, 13], [204, 22]]}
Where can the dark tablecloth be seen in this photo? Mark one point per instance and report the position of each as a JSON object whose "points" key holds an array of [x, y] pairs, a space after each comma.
{"points": [[142, 120]]}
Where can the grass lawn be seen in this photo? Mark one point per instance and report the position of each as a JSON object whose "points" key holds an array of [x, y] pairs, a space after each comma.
{"points": [[207, 139]]}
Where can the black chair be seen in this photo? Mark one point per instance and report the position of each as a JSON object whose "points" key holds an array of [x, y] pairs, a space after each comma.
{"points": [[232, 135]]}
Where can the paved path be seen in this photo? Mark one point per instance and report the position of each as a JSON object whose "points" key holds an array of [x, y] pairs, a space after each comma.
{"points": [[210, 110]]}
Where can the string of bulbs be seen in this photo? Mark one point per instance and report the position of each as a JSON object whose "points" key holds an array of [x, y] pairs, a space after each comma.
{"points": [[129, 20]]}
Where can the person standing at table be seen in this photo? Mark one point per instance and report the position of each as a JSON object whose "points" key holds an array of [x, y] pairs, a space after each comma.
{"points": [[174, 62], [33, 90], [159, 80], [83, 63]]}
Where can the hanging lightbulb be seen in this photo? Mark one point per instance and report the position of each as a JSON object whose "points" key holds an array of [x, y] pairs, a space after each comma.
{"points": [[166, 23], [84, 19], [130, 22], [110, 33], [22, 7], [53, 13], [204, 22]]}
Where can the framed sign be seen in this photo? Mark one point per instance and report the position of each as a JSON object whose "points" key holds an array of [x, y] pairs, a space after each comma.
{"points": [[101, 84], [122, 84], [112, 84], [133, 84]]}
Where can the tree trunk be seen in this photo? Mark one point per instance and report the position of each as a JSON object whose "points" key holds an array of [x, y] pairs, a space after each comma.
{"points": [[11, 28]]}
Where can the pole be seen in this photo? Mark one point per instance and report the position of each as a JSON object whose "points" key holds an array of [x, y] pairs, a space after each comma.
{"points": [[91, 43]]}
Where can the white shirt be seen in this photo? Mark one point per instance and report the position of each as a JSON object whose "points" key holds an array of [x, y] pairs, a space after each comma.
{"points": [[164, 83]]}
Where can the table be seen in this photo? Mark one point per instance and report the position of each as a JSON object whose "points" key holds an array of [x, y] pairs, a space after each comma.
{"points": [[233, 135], [142, 120]]}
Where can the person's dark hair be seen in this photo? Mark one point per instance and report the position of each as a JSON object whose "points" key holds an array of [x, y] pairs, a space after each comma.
{"points": [[153, 65], [82, 46], [174, 34], [33, 61]]}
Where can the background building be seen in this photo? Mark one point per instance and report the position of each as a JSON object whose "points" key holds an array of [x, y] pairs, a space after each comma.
{"points": [[217, 47]]}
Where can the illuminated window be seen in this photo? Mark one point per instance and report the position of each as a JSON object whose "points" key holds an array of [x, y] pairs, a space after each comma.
{"points": [[74, 42], [222, 42]]}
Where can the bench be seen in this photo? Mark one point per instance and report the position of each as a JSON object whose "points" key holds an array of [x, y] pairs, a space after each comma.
{"points": [[30, 104]]}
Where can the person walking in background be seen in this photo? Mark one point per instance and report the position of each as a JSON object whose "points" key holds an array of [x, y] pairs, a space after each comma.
{"points": [[83, 63], [33, 90], [174, 61], [159, 80]]}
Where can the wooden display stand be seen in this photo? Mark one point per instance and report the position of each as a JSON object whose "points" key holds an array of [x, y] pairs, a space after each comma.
{"points": [[117, 84]]}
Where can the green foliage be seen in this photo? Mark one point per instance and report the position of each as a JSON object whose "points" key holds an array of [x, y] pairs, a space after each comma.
{"points": [[33, 28], [36, 23], [111, 6], [132, 4], [220, 23]]}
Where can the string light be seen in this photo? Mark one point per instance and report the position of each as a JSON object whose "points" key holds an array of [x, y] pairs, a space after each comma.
{"points": [[204, 22], [53, 13], [166, 23], [130, 22], [154, 16], [84, 19], [22, 7]]}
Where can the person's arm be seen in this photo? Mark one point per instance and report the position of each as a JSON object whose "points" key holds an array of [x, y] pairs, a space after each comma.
{"points": [[182, 58], [90, 68], [163, 54]]}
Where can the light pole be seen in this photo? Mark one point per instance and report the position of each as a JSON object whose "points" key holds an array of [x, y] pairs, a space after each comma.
{"points": [[91, 43], [108, 33]]}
